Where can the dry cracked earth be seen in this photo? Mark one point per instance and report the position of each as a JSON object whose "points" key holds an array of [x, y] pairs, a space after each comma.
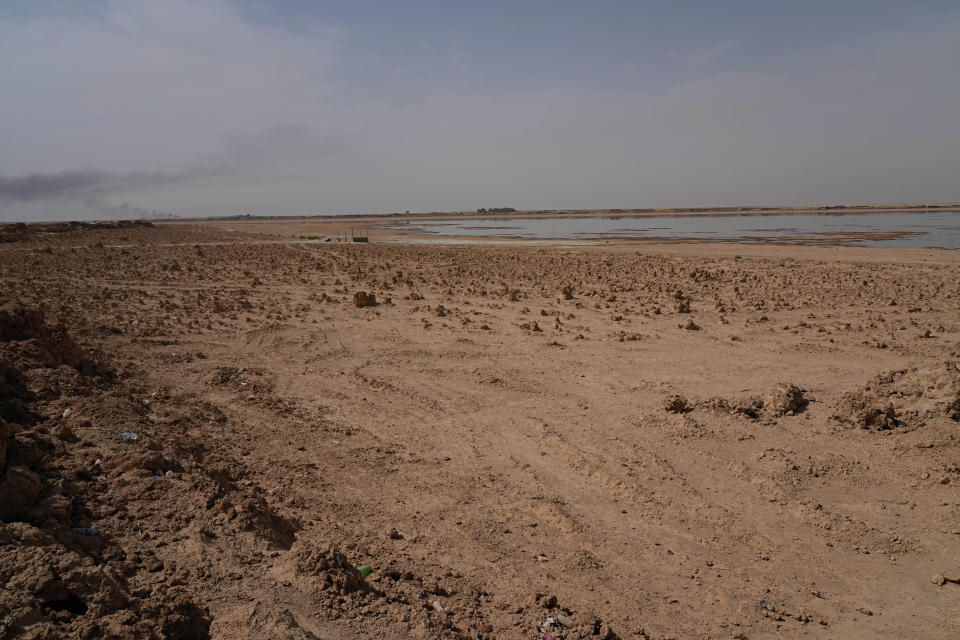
{"points": [[395, 441]]}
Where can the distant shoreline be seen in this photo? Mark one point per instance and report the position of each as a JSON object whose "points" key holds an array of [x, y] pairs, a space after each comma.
{"points": [[664, 212], [415, 228]]}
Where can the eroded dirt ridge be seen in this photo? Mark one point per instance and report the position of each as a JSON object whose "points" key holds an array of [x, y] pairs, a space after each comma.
{"points": [[428, 442]]}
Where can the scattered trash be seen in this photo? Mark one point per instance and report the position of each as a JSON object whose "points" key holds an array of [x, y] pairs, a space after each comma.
{"points": [[126, 435], [66, 413], [86, 531], [548, 629], [541, 558], [564, 620], [439, 607], [365, 570]]}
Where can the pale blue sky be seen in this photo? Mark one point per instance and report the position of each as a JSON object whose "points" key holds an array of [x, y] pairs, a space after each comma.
{"points": [[218, 107]]}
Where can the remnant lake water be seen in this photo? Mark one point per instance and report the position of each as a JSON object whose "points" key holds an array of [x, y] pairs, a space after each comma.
{"points": [[936, 229]]}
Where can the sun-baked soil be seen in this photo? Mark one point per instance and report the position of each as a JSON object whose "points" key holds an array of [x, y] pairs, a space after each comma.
{"points": [[519, 442]]}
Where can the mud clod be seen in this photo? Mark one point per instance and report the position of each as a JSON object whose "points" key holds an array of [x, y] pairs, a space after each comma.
{"points": [[331, 567], [676, 404], [364, 299], [784, 398], [867, 411]]}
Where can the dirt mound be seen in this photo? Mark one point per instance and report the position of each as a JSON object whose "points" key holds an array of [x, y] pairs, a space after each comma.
{"points": [[176, 616], [778, 400], [260, 622], [38, 361], [16, 232], [21, 232], [13, 397], [867, 410], [329, 566], [953, 408], [63, 576], [54, 591], [255, 515], [25, 335], [20, 323], [904, 396]]}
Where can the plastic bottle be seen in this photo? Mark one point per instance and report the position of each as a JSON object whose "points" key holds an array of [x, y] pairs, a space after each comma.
{"points": [[86, 531], [126, 435]]}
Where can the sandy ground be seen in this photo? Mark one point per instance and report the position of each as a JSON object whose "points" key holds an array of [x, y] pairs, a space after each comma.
{"points": [[495, 432]]}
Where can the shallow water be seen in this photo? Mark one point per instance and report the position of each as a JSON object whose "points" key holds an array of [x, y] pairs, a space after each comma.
{"points": [[938, 229]]}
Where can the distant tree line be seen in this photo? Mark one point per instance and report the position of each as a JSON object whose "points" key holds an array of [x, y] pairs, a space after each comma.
{"points": [[497, 210]]}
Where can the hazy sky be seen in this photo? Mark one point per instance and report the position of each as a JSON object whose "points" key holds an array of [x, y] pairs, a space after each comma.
{"points": [[220, 107]]}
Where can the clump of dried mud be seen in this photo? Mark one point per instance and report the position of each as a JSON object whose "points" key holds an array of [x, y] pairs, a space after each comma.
{"points": [[784, 399], [675, 404], [867, 410], [364, 299]]}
